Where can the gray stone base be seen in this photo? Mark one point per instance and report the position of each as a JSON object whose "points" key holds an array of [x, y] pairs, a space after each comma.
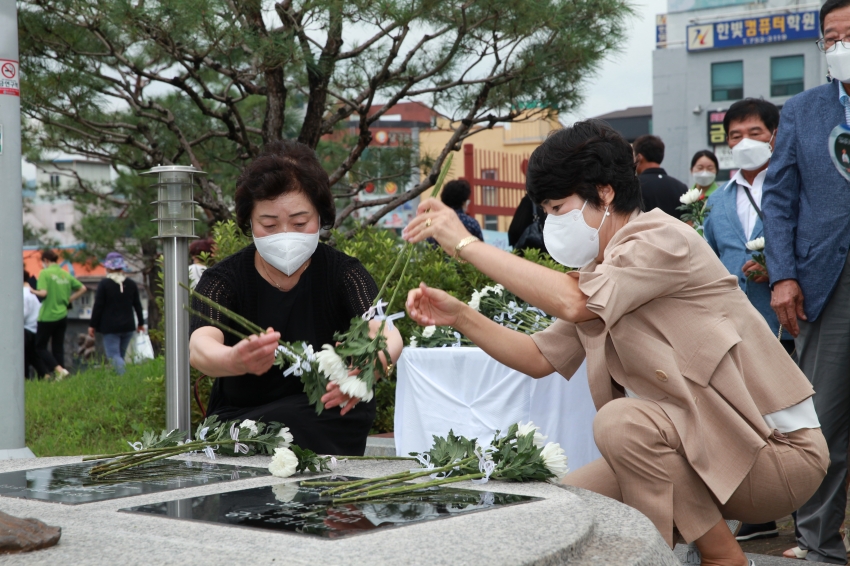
{"points": [[16, 453]]}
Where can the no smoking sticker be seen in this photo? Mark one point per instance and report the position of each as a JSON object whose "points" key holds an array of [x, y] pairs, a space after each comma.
{"points": [[9, 79]]}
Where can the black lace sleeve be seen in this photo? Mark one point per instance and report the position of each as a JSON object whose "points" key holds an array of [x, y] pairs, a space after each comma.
{"points": [[359, 288], [216, 287]]}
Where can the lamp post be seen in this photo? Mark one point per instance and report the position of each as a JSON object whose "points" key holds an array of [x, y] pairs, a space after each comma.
{"points": [[176, 219]]}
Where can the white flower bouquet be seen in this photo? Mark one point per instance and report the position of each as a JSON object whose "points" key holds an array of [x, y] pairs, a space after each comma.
{"points": [[521, 455], [496, 303], [233, 438], [694, 208], [757, 246]]}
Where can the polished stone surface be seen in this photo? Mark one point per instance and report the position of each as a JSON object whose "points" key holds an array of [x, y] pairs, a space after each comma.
{"points": [[293, 508], [72, 484]]}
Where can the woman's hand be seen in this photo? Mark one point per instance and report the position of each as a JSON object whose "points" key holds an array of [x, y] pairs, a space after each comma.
{"points": [[334, 397], [255, 354], [433, 307], [436, 220]]}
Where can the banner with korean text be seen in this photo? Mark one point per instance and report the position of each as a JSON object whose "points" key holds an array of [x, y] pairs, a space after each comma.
{"points": [[742, 32]]}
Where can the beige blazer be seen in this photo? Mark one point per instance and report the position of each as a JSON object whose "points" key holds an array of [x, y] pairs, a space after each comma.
{"points": [[676, 329]]}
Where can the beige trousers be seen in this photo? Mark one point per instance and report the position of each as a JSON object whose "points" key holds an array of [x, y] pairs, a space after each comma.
{"points": [[643, 465]]}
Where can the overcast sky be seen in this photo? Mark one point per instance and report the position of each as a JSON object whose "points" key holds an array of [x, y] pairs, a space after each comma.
{"points": [[625, 78]]}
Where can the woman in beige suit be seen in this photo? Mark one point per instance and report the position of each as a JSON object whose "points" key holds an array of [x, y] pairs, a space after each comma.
{"points": [[701, 414]]}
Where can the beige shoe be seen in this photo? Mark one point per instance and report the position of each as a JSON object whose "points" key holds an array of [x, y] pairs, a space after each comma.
{"points": [[795, 552], [61, 374]]}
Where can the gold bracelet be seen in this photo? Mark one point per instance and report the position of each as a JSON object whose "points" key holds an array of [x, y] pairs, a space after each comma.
{"points": [[462, 244]]}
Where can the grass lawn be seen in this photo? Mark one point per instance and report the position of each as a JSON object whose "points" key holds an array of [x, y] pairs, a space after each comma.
{"points": [[94, 411]]}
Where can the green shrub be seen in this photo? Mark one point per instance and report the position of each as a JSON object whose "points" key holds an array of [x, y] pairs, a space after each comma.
{"points": [[92, 412]]}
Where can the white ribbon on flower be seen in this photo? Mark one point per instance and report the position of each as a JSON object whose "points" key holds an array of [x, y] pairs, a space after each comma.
{"points": [[210, 453], [486, 465], [457, 340], [300, 364], [376, 312], [425, 460], [234, 435], [203, 434], [135, 445]]}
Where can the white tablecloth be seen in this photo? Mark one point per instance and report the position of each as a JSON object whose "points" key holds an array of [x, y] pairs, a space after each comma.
{"points": [[467, 391]]}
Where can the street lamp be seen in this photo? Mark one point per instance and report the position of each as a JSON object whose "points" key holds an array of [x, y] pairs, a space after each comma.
{"points": [[176, 219]]}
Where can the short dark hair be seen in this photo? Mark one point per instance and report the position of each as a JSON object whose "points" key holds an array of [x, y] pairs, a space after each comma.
{"points": [[455, 193], [709, 154], [198, 247], [651, 147], [284, 166], [49, 255], [580, 158], [26, 275], [828, 7], [759, 108]]}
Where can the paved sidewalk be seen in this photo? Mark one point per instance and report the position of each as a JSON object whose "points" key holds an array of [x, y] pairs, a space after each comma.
{"points": [[760, 559]]}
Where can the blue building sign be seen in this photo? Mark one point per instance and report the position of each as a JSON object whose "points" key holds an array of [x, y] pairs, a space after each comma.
{"points": [[743, 32]]}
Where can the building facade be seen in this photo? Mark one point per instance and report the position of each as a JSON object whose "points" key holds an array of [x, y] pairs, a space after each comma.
{"points": [[711, 53], [630, 123]]}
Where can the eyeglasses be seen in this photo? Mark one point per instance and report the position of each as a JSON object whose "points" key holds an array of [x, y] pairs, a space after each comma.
{"points": [[828, 45]]}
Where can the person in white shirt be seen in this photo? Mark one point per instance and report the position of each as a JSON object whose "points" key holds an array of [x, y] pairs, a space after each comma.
{"points": [[31, 307], [196, 270]]}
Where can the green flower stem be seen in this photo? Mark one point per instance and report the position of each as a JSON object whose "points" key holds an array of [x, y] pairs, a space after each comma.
{"points": [[133, 461], [407, 489], [126, 454], [388, 480], [375, 458], [241, 320], [351, 483], [101, 474]]}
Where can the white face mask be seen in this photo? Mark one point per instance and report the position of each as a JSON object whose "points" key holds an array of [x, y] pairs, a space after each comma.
{"points": [[838, 63], [569, 240], [751, 154], [287, 251], [704, 178]]}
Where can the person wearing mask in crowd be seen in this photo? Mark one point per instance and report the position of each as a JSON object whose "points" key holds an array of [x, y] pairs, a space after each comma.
{"points": [[301, 290], [734, 219], [59, 289], [112, 314], [31, 308], [701, 415], [198, 266], [659, 189], [704, 168], [807, 236]]}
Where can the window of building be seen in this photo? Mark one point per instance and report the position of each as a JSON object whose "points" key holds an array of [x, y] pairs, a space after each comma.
{"points": [[54, 180], [491, 222], [786, 75], [60, 226], [727, 81]]}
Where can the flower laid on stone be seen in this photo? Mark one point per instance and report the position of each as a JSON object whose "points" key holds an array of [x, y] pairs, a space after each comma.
{"points": [[694, 208], [519, 455], [757, 246], [228, 437], [496, 303]]}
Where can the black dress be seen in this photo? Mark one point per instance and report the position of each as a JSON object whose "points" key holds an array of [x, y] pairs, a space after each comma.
{"points": [[331, 291]]}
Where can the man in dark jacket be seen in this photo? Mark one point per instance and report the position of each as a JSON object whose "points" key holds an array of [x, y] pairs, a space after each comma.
{"points": [[112, 315], [659, 190]]}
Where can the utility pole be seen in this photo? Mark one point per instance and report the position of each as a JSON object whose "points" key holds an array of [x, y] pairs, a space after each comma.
{"points": [[12, 442]]}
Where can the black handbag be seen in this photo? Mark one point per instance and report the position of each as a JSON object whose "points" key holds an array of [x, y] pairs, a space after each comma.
{"points": [[532, 236]]}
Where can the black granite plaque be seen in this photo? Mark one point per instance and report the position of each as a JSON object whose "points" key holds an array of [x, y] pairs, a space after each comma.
{"points": [[72, 484], [290, 507]]}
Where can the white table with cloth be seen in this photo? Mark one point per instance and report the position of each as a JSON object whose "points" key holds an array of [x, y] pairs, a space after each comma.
{"points": [[467, 391]]}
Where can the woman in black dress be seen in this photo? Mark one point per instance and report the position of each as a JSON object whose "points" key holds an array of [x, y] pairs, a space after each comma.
{"points": [[298, 288]]}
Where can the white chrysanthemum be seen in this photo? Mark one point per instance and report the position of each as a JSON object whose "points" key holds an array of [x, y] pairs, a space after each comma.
{"points": [[285, 437], [355, 387], [691, 196], [413, 343], [284, 463], [555, 460], [428, 331], [756, 245], [251, 426], [285, 492], [475, 302], [331, 364], [498, 289], [524, 429]]}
